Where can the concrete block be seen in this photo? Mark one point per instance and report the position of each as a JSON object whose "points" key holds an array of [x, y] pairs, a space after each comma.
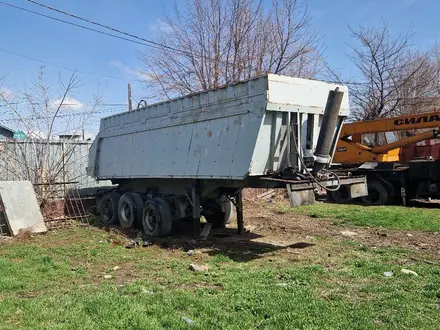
{"points": [[21, 207]]}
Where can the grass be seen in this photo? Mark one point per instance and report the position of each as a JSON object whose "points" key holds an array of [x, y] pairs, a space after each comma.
{"points": [[391, 217], [56, 281]]}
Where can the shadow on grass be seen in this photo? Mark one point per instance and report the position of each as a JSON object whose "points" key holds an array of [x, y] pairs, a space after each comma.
{"points": [[223, 241]]}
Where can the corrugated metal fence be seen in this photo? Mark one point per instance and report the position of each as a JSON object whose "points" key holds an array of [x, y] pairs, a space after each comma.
{"points": [[42, 161]]}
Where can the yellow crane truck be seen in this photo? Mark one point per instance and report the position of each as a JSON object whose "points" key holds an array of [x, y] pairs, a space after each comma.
{"points": [[378, 149]]}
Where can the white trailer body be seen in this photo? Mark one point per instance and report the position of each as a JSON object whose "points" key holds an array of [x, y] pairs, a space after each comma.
{"points": [[231, 137], [228, 133]]}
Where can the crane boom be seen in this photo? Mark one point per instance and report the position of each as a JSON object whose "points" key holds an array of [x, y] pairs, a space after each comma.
{"points": [[404, 142], [402, 123]]}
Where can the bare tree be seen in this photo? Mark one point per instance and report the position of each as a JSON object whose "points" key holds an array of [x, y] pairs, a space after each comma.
{"points": [[394, 78], [217, 42], [43, 111], [422, 91]]}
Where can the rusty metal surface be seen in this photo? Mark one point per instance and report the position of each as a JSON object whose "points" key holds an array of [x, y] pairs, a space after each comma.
{"points": [[228, 133]]}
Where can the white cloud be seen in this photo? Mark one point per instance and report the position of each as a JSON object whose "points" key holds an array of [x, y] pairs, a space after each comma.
{"points": [[160, 26], [68, 104]]}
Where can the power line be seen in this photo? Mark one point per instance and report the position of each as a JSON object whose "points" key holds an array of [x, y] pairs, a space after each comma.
{"points": [[121, 78], [147, 41], [58, 66], [73, 24], [144, 42], [76, 25]]}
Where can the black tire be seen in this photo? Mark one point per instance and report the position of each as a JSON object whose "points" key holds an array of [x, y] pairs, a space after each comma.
{"points": [[218, 212], [340, 196], [156, 218], [108, 208], [139, 205], [130, 210], [378, 194]]}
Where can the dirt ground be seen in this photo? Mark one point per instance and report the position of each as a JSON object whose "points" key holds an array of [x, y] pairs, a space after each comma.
{"points": [[269, 232], [292, 226], [296, 225], [291, 236]]}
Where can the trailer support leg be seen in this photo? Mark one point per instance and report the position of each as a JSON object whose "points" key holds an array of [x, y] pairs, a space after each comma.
{"points": [[196, 212], [239, 207]]}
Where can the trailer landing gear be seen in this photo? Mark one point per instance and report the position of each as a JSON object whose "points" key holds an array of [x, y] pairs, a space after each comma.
{"points": [[239, 207], [196, 212], [218, 212]]}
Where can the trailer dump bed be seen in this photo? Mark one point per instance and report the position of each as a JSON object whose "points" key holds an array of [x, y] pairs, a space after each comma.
{"points": [[191, 156], [228, 133]]}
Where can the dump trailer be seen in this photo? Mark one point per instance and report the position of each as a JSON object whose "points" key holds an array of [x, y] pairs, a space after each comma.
{"points": [[192, 156]]}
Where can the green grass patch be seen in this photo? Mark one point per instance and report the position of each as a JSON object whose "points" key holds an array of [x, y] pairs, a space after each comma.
{"points": [[392, 217], [56, 281]]}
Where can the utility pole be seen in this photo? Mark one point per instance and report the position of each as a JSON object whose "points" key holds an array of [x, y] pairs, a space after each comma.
{"points": [[130, 106]]}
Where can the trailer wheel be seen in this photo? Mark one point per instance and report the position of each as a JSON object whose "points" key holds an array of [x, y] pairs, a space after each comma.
{"points": [[378, 194], [156, 218], [130, 210], [218, 212], [138, 200], [108, 208], [340, 196]]}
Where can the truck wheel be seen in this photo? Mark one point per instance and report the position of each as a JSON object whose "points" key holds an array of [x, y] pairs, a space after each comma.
{"points": [[139, 201], [378, 194], [340, 196], [108, 208], [130, 210], [218, 212], [156, 218]]}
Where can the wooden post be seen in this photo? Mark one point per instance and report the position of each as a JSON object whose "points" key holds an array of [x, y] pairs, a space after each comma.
{"points": [[130, 105], [239, 207]]}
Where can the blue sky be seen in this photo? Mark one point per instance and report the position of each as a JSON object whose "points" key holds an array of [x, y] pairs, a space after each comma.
{"points": [[71, 47]]}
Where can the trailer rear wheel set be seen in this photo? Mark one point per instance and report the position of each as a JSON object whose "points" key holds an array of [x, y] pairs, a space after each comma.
{"points": [[154, 215]]}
